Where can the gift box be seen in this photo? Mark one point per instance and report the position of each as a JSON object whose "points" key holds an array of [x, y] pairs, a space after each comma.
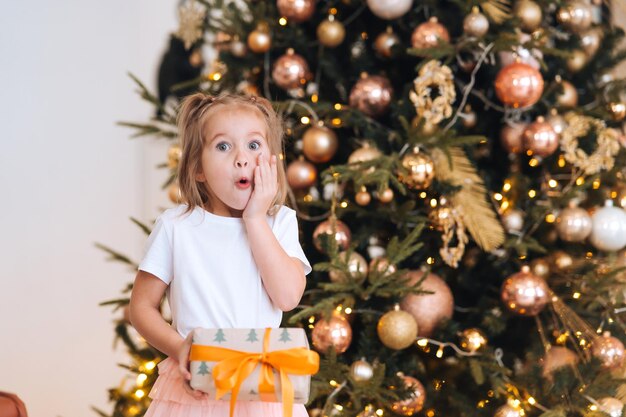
{"points": [[253, 365]]}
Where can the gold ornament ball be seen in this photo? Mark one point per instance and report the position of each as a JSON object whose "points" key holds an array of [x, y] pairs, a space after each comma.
{"points": [[382, 266], [428, 310], [540, 138], [259, 41], [576, 16], [290, 70], [540, 267], [385, 43], [617, 109], [611, 406], [420, 170], [319, 144], [361, 370], [413, 404], [173, 156], [574, 224], [557, 357], [561, 260], [524, 293], [511, 137], [296, 10], [476, 24], [386, 196], [609, 350], [335, 332], [333, 228], [397, 329], [301, 174], [529, 14], [576, 61], [429, 34], [357, 268], [472, 340], [508, 411], [568, 97], [173, 192], [372, 95], [331, 33], [519, 85], [363, 198], [590, 41]]}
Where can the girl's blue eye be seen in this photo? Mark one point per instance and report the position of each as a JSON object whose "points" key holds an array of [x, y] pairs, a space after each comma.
{"points": [[254, 145], [222, 146]]}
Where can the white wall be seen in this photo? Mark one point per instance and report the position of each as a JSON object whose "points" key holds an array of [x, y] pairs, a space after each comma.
{"points": [[70, 177]]}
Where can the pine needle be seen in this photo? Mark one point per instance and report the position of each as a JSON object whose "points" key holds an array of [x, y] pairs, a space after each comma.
{"points": [[478, 214]]}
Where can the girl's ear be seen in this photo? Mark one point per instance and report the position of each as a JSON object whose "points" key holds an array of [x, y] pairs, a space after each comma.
{"points": [[200, 177]]}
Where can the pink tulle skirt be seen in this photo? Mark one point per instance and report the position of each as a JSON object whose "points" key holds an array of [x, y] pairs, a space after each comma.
{"points": [[169, 399]]}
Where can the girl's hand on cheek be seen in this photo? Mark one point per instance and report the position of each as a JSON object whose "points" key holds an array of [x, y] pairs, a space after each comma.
{"points": [[265, 187]]}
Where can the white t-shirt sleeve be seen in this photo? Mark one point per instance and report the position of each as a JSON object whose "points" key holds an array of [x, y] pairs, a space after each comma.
{"points": [[157, 259], [286, 231]]}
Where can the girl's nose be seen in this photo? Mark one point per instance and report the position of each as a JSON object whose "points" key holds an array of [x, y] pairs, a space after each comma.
{"points": [[241, 161]]}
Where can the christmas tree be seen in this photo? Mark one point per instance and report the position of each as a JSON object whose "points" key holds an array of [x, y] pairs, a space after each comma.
{"points": [[458, 172]]}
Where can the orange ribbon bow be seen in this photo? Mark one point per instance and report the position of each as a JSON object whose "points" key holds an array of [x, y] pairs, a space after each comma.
{"points": [[234, 366]]}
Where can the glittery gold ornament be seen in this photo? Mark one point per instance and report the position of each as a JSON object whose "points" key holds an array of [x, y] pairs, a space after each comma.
{"points": [[475, 23], [361, 370], [333, 228], [511, 137], [576, 16], [385, 42], [420, 170], [540, 139], [428, 310], [290, 70], [574, 223], [609, 350], [331, 32], [319, 144], [259, 40], [357, 269], [472, 340], [617, 110], [557, 357], [568, 97], [529, 13], [335, 332], [429, 34], [296, 10], [525, 293], [397, 329], [415, 403], [173, 156], [371, 94], [363, 198], [519, 85], [301, 174], [191, 19]]}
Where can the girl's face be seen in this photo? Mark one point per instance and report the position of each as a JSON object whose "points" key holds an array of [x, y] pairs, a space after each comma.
{"points": [[234, 137]]}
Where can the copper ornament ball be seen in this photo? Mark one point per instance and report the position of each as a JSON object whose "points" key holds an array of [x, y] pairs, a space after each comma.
{"points": [[561, 260], [420, 170], [341, 234], [540, 267], [372, 95], [429, 34], [519, 85], [511, 137], [357, 268], [558, 122], [331, 33], [335, 332], [363, 198], [524, 293], [290, 70], [576, 16], [557, 357], [413, 404], [385, 42], [386, 196], [397, 329], [297, 10], [609, 349], [568, 96], [319, 144], [429, 310], [301, 174], [259, 41], [540, 138]]}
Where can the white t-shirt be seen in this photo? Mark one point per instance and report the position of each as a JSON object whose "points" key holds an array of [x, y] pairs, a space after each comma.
{"points": [[207, 262]]}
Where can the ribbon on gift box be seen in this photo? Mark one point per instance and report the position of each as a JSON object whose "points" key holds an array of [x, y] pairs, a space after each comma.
{"points": [[234, 366]]}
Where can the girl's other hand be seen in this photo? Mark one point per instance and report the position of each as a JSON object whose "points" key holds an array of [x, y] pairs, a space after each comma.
{"points": [[265, 188], [183, 368]]}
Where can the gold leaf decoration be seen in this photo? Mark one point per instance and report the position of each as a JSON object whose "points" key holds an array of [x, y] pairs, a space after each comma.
{"points": [[478, 214], [497, 10]]}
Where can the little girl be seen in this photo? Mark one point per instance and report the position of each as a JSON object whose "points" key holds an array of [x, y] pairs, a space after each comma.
{"points": [[229, 257]]}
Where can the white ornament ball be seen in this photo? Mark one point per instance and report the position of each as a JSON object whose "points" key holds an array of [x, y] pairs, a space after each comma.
{"points": [[608, 231], [611, 406], [513, 220], [573, 224], [389, 9]]}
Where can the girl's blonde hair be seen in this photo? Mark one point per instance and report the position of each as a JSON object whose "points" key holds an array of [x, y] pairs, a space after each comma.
{"points": [[192, 116]]}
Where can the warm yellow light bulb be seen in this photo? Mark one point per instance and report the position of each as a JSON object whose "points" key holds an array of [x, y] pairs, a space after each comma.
{"points": [[550, 218], [140, 393], [497, 196], [141, 378], [348, 310], [430, 260], [282, 21], [439, 353], [533, 162], [506, 186], [580, 181], [553, 183], [532, 193], [336, 121], [314, 98], [576, 295], [150, 365], [305, 120], [337, 106]]}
